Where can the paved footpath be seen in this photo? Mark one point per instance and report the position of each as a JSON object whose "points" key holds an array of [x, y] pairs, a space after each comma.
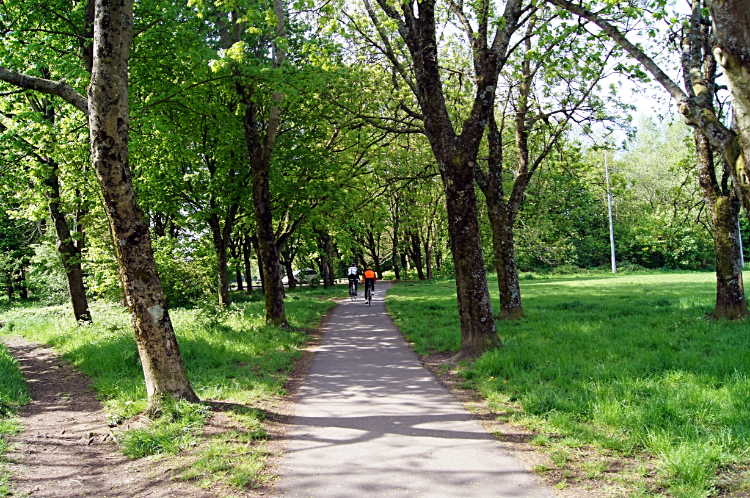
{"points": [[371, 421]]}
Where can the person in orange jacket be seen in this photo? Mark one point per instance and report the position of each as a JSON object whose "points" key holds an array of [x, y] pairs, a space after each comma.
{"points": [[369, 279]]}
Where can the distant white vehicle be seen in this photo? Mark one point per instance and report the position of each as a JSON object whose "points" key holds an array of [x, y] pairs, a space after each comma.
{"points": [[301, 277]]}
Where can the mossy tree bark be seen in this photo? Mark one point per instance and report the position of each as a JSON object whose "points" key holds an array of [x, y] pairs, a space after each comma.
{"points": [[68, 248], [722, 200], [731, 28], [109, 123]]}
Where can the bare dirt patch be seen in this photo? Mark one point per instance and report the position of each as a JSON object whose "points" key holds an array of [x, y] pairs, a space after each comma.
{"points": [[66, 448]]}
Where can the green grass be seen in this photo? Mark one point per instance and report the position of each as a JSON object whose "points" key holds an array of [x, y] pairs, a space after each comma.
{"points": [[13, 395], [629, 364], [230, 355]]}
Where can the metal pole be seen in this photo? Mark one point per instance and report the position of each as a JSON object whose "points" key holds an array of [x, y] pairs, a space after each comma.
{"points": [[611, 227], [742, 253]]}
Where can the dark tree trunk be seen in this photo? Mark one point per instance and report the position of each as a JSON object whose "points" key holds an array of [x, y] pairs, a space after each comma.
{"points": [[456, 155], [238, 274], [323, 266], [416, 254], [9, 286], [109, 122], [478, 332], [287, 260], [222, 271], [290, 274], [268, 253], [23, 291], [246, 248], [69, 252], [428, 258], [330, 256], [260, 149], [505, 259], [158, 223], [373, 248], [394, 251], [256, 245]]}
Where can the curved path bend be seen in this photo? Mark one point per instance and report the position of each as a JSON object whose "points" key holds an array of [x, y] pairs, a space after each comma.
{"points": [[371, 421]]}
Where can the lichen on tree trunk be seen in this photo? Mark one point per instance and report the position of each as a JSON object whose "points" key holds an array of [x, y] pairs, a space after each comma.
{"points": [[478, 332], [730, 292], [108, 123]]}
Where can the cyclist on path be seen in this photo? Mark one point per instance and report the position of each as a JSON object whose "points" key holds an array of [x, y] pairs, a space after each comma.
{"points": [[353, 274], [369, 279]]}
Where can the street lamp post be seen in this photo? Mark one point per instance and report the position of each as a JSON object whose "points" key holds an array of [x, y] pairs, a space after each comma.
{"points": [[611, 227]]}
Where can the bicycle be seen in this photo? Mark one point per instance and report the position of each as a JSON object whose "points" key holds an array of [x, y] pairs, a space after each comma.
{"points": [[368, 293], [352, 290]]}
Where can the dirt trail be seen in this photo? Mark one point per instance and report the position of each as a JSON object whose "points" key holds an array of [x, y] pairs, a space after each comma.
{"points": [[66, 448]]}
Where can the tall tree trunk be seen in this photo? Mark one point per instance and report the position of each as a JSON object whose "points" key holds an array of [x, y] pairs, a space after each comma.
{"points": [[268, 254], [725, 209], [731, 23], [246, 247], [238, 275], [394, 250], [330, 257], [478, 332], [287, 261], [699, 74], [505, 259], [256, 245], [428, 256], [373, 248], [69, 252], [323, 266], [222, 270], [109, 122], [260, 151], [455, 154], [416, 254], [9, 285], [730, 292], [23, 291]]}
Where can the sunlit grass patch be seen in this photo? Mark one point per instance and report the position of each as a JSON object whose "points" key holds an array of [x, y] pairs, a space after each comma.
{"points": [[176, 428], [235, 459], [629, 364], [13, 395]]}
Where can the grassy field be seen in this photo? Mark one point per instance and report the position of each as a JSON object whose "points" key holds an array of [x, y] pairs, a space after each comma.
{"points": [[13, 395], [230, 355], [629, 365]]}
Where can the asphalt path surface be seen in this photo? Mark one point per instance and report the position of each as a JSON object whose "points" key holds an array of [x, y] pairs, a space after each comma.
{"points": [[371, 421]]}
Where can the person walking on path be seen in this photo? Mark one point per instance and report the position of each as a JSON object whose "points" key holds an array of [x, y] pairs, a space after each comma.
{"points": [[372, 421]]}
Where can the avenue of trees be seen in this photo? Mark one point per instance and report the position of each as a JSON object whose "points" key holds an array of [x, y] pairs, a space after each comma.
{"points": [[158, 153]]}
